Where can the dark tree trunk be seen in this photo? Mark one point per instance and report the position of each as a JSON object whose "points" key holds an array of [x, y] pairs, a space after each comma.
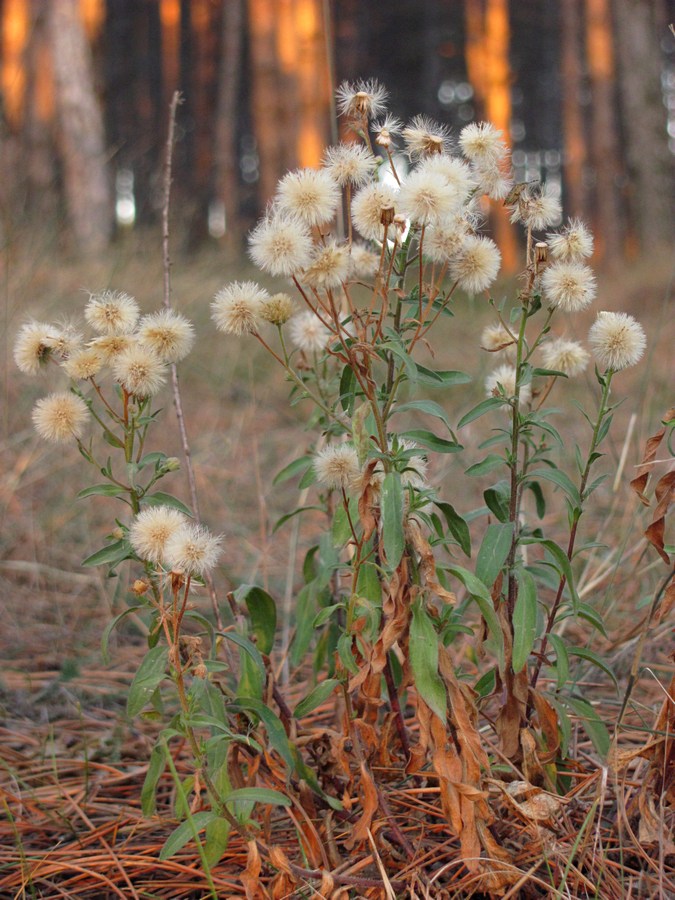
{"points": [[575, 151]]}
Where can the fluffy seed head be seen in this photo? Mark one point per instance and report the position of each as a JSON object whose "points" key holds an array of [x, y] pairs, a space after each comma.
{"points": [[455, 172], [365, 263], [364, 99], [337, 466], [492, 181], [573, 243], [192, 549], [476, 264], [84, 364], [308, 333], [496, 338], [506, 377], [60, 416], [34, 346], [329, 267], [386, 130], [424, 137], [536, 209], [443, 241], [280, 245], [368, 207], [415, 467], [169, 334], [565, 356], [350, 164], [237, 307], [111, 345], [112, 312], [426, 198], [311, 195], [277, 309], [140, 371], [483, 144], [617, 339], [152, 528], [568, 286]]}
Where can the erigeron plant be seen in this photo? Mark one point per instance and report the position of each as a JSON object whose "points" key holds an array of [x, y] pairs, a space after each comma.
{"points": [[392, 587]]}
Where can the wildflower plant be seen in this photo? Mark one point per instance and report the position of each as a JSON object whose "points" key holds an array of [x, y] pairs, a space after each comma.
{"points": [[427, 624]]}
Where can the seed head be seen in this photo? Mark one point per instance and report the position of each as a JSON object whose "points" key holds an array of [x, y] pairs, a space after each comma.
{"points": [[310, 195], [536, 208], [168, 334], [308, 333], [60, 416], [496, 338], [363, 99], [112, 312], [84, 364], [426, 198], [573, 243], [152, 528], [483, 144], [33, 347], [337, 466], [617, 339], [329, 267], [505, 377], [568, 286], [280, 245], [386, 130], [444, 241], [565, 356], [110, 346], [455, 172], [424, 137], [365, 263], [492, 180], [476, 264], [192, 550], [277, 309], [237, 307], [140, 371], [368, 206], [350, 164]]}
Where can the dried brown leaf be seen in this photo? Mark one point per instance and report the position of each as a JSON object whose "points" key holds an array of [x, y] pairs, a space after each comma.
{"points": [[665, 495], [369, 807], [250, 877], [639, 483]]}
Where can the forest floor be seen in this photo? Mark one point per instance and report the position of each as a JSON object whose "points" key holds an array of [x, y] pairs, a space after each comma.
{"points": [[71, 763]]}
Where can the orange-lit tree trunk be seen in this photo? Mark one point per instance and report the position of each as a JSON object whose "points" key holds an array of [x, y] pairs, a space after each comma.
{"points": [[604, 136], [574, 135], [80, 128], [290, 86], [226, 181], [487, 57]]}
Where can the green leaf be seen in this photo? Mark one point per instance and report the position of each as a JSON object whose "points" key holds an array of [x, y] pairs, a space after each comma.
{"points": [[249, 648], [493, 552], [584, 611], [562, 660], [592, 657], [185, 832], [273, 725], [481, 595], [497, 499], [524, 619], [423, 649], [103, 490], [315, 698], [110, 555], [485, 406], [425, 406], [290, 515], [560, 479], [216, 840], [341, 529], [491, 462], [325, 614], [564, 566], [347, 390], [156, 766], [263, 612], [434, 378], [592, 723], [344, 649], [107, 631], [432, 441], [112, 439], [258, 795], [392, 519], [305, 610], [539, 500], [456, 525], [251, 678], [297, 467], [398, 351], [147, 678], [151, 458], [160, 498]]}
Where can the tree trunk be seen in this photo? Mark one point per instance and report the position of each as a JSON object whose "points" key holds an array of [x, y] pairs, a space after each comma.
{"points": [[226, 178], [644, 122], [574, 137], [80, 129], [604, 134]]}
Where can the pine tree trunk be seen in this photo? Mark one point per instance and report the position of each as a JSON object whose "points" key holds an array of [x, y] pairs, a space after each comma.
{"points": [[574, 135], [644, 122], [80, 129]]}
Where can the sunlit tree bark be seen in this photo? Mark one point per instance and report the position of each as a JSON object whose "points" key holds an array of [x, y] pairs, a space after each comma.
{"points": [[604, 134], [80, 128], [644, 121], [574, 137]]}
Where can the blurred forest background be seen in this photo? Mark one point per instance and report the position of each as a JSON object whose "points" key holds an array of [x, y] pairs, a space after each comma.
{"points": [[585, 89]]}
